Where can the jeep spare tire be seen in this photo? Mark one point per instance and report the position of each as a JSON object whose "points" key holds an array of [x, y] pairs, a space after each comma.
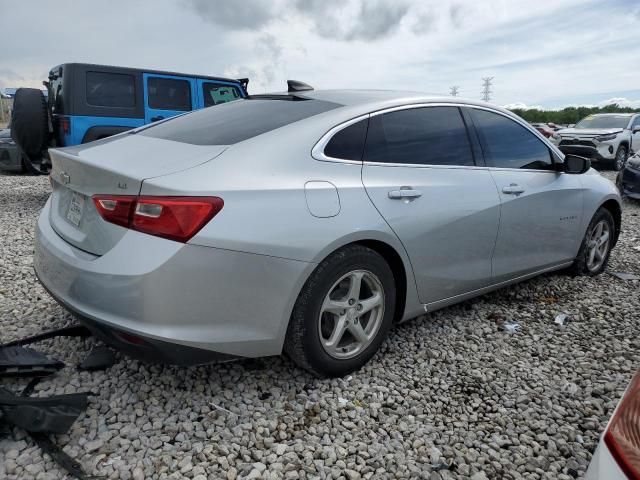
{"points": [[30, 122]]}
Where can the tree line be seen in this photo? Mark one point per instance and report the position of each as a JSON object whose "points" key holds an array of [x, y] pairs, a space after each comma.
{"points": [[569, 114]]}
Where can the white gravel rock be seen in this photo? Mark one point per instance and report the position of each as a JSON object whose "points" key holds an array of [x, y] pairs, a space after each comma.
{"points": [[449, 396]]}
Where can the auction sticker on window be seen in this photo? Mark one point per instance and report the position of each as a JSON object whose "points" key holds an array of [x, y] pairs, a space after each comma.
{"points": [[74, 214]]}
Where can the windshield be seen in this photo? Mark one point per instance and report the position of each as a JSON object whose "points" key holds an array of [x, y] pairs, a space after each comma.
{"points": [[603, 121]]}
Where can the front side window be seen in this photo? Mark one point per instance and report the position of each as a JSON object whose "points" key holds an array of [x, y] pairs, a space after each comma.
{"points": [[116, 90], [636, 123], [507, 144], [169, 94], [215, 94], [423, 136]]}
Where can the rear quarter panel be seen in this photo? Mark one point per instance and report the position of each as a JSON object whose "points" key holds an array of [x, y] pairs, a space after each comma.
{"points": [[262, 182]]}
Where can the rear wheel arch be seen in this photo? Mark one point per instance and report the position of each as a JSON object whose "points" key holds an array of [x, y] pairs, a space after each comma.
{"points": [[394, 260], [103, 131]]}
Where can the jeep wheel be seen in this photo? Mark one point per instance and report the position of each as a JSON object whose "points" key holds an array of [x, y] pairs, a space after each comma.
{"points": [[621, 158], [30, 127]]}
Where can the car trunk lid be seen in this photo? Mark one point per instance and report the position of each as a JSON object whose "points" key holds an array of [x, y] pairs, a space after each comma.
{"points": [[115, 166]]}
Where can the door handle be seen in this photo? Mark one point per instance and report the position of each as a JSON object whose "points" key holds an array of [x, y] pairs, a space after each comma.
{"points": [[513, 189], [404, 193], [155, 119]]}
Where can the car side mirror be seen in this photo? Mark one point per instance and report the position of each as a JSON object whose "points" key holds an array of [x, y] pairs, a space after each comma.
{"points": [[575, 164], [636, 129]]}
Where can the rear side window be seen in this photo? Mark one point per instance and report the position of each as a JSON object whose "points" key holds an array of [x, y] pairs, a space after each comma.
{"points": [[110, 90], [348, 143], [55, 92], [169, 94], [234, 122], [507, 144], [423, 136], [215, 94]]}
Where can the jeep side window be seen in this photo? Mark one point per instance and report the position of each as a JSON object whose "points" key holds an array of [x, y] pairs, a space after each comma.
{"points": [[169, 94], [110, 90], [214, 94]]}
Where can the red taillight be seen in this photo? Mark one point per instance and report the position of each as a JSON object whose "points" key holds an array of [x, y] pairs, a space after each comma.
{"points": [[175, 218], [65, 124], [115, 208], [623, 434]]}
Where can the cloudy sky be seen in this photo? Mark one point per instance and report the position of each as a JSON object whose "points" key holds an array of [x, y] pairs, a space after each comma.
{"points": [[540, 53]]}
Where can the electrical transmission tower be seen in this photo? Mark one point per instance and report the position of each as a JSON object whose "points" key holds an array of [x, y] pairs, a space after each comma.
{"points": [[453, 91], [486, 88]]}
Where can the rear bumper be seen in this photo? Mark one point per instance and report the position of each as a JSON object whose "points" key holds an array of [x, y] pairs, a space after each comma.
{"points": [[188, 304], [628, 182], [603, 466]]}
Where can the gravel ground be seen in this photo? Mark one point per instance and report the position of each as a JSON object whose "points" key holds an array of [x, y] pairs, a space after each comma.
{"points": [[452, 395]]}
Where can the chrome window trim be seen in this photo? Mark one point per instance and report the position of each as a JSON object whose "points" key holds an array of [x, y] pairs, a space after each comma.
{"points": [[317, 151]]}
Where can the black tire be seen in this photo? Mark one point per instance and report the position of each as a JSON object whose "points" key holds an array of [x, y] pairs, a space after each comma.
{"points": [[303, 343], [579, 266], [30, 121], [621, 158]]}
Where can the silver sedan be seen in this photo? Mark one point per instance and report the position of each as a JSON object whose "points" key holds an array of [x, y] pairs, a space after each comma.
{"points": [[310, 222]]}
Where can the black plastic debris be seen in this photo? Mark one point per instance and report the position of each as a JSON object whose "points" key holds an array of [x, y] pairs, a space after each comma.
{"points": [[40, 416], [99, 358], [71, 331], [60, 457], [16, 361], [54, 414]]}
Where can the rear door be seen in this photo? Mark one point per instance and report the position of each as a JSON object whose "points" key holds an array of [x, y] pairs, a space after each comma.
{"points": [[541, 209], [419, 170], [167, 95], [210, 92]]}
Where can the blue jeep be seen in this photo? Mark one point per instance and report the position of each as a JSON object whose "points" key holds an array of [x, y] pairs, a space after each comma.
{"points": [[89, 102]]}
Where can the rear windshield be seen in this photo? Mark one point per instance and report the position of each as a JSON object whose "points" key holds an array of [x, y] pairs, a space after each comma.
{"points": [[237, 121]]}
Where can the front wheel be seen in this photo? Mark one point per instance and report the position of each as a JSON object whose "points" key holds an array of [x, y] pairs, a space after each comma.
{"points": [[621, 158], [596, 246], [343, 313]]}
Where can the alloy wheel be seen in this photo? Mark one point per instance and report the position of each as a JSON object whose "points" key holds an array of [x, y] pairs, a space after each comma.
{"points": [[351, 314], [598, 245]]}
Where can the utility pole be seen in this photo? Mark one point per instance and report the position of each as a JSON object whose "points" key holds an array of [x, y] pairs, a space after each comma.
{"points": [[453, 91], [486, 88]]}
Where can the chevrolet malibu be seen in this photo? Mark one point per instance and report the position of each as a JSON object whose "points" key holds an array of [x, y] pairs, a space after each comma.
{"points": [[310, 222]]}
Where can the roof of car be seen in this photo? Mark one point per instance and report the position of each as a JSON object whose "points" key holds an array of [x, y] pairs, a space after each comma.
{"points": [[144, 70], [379, 99]]}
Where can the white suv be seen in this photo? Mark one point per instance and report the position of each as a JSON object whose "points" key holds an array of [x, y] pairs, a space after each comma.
{"points": [[605, 137]]}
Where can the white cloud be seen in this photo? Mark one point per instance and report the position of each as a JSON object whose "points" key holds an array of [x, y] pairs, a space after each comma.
{"points": [[537, 56], [622, 101], [522, 106]]}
